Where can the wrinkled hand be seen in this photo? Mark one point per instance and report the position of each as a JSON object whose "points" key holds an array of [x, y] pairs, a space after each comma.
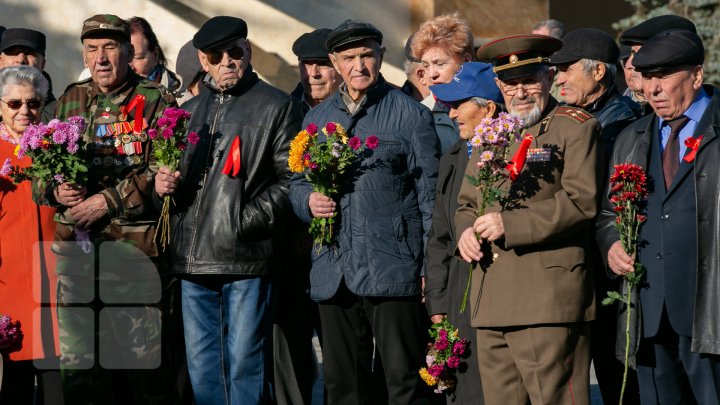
{"points": [[166, 181], [490, 226], [619, 261], [89, 211], [69, 194], [437, 318], [469, 246], [321, 206]]}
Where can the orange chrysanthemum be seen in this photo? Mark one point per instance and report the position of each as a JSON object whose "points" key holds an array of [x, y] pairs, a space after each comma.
{"points": [[298, 146]]}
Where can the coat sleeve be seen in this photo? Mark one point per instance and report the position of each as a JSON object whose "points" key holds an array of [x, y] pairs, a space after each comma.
{"points": [[423, 162], [437, 260], [264, 213], [573, 206]]}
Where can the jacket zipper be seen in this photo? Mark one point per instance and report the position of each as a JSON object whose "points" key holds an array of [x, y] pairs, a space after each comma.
{"points": [[204, 184]]}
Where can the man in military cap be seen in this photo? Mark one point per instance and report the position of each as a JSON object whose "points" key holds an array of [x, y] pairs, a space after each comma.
{"points": [[113, 219], [22, 46], [586, 67], [367, 281], [318, 78], [231, 210], [532, 293], [678, 146]]}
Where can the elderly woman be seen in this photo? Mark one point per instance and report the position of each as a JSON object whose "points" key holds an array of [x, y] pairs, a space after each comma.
{"points": [[27, 277], [442, 44], [470, 97], [149, 59]]}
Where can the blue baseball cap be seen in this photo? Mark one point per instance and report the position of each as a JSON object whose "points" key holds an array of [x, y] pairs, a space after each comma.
{"points": [[474, 79]]}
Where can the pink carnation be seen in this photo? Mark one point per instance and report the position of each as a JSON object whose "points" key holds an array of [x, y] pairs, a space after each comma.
{"points": [[312, 129], [330, 128], [193, 138], [442, 344], [167, 133], [453, 362], [459, 348], [436, 370], [372, 142], [152, 133], [354, 143]]}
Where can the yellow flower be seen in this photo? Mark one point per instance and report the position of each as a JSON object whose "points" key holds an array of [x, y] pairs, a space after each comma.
{"points": [[298, 146], [429, 380], [340, 130], [17, 149], [455, 334]]}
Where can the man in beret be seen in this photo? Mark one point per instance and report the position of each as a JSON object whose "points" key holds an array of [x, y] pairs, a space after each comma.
{"points": [[22, 46], [114, 212], [532, 292], [230, 209], [586, 67], [318, 78], [635, 37], [367, 280], [678, 360]]}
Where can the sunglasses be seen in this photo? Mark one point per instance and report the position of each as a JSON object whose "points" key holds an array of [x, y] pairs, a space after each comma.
{"points": [[15, 104], [215, 57]]}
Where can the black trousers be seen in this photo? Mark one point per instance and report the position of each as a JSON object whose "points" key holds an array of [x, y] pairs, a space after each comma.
{"points": [[349, 324], [669, 373], [18, 385]]}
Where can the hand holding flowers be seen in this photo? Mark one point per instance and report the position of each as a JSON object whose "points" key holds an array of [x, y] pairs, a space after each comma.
{"points": [[324, 161], [169, 142]]}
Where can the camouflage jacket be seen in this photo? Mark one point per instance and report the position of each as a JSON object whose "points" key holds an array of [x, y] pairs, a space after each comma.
{"points": [[123, 176]]}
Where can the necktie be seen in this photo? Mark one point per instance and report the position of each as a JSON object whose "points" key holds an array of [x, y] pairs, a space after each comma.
{"points": [[670, 157]]}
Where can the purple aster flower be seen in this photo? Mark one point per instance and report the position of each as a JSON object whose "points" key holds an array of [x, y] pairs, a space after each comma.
{"points": [[6, 168]]}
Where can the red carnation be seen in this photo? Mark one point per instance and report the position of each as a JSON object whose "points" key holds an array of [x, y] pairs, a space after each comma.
{"points": [[193, 138], [372, 142], [354, 143], [330, 128], [311, 129]]}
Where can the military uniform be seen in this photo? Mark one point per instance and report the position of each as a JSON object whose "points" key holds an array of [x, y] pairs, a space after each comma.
{"points": [[112, 299]]}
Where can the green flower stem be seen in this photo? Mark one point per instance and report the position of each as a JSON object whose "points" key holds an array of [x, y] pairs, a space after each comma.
{"points": [[628, 295]]}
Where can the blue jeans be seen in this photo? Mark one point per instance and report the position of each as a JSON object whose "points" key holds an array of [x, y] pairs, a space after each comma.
{"points": [[228, 333]]}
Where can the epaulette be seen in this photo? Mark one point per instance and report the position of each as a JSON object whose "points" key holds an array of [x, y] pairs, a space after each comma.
{"points": [[576, 114], [79, 82], [164, 92]]}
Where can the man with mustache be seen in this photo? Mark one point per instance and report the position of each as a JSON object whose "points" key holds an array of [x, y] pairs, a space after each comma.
{"points": [[532, 299]]}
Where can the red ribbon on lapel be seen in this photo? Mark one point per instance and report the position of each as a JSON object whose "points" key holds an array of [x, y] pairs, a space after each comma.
{"points": [[138, 103], [232, 163], [693, 144], [518, 160]]}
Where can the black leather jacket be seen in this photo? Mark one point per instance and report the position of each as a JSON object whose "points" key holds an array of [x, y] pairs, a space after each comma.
{"points": [[232, 224], [632, 146]]}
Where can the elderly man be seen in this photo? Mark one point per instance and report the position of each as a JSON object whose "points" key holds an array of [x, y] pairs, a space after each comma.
{"points": [[414, 86], [318, 78], [114, 212], [367, 281], [472, 96], [231, 208], [586, 73], [679, 354], [22, 46], [635, 37], [532, 345]]}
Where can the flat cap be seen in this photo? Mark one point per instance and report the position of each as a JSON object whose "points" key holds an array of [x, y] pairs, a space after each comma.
{"points": [[218, 30], [188, 64], [352, 31], [105, 24], [474, 79], [586, 43], [311, 46], [668, 50], [25, 38], [640, 33], [519, 55]]}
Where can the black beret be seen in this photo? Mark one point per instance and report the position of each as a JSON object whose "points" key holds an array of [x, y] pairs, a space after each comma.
{"points": [[669, 49], [25, 38], [640, 33], [408, 50], [519, 55], [586, 43], [625, 52], [352, 31], [218, 30], [311, 46]]}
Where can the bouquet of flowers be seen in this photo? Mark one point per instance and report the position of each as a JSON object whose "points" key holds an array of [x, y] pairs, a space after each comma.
{"points": [[443, 357], [491, 141], [57, 151], [169, 142], [324, 161], [11, 335], [628, 189]]}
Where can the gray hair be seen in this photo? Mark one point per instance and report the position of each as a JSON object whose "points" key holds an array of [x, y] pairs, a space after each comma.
{"points": [[483, 103], [588, 65], [20, 75], [410, 67], [555, 27]]}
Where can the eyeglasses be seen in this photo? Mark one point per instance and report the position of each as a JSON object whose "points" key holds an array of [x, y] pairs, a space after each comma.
{"points": [[15, 104], [528, 84], [215, 57]]}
